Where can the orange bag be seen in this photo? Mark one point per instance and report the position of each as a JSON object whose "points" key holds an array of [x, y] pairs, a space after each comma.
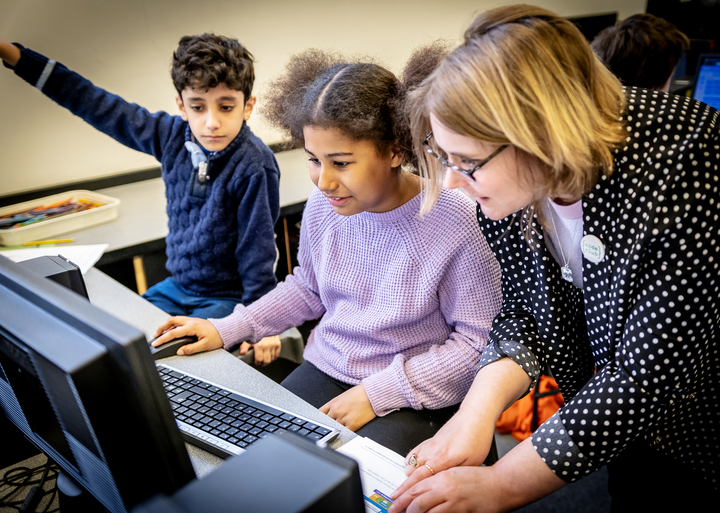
{"points": [[518, 419]]}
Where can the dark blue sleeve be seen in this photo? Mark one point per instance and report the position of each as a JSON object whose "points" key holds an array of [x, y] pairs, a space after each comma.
{"points": [[127, 123], [256, 252]]}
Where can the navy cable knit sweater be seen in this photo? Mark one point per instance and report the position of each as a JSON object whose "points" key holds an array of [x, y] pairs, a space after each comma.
{"points": [[221, 240]]}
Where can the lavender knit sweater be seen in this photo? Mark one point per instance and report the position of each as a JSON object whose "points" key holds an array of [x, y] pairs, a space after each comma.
{"points": [[406, 302]]}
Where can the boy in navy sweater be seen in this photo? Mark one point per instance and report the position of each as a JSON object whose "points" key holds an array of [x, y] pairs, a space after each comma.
{"points": [[221, 181]]}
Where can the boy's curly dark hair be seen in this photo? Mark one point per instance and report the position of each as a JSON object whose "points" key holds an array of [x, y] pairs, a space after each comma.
{"points": [[362, 99], [206, 61]]}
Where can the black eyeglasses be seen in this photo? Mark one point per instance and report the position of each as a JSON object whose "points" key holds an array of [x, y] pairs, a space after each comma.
{"points": [[444, 161]]}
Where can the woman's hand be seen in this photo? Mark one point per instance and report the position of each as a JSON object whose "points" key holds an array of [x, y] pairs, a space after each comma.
{"points": [[352, 408], [462, 441], [176, 327], [266, 350], [465, 440], [459, 489], [518, 478]]}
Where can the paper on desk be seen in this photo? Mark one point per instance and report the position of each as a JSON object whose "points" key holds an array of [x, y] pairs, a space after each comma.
{"points": [[84, 256], [381, 471]]}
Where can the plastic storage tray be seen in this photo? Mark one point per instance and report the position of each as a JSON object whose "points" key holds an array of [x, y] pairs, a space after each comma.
{"points": [[62, 224]]}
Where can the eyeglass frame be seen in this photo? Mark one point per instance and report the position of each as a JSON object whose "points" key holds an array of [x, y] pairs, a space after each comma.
{"points": [[445, 163]]}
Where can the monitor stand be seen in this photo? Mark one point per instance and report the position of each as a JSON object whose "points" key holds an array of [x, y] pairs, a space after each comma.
{"points": [[74, 498]]}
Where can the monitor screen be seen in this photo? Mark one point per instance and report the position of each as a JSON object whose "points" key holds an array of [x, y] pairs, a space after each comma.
{"points": [[81, 385], [707, 82]]}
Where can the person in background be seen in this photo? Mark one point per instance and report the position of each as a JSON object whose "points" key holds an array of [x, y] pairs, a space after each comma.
{"points": [[405, 301], [221, 181], [642, 51], [602, 206]]}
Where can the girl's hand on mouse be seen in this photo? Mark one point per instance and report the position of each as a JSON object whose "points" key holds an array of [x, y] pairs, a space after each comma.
{"points": [[267, 350], [352, 408], [175, 327]]}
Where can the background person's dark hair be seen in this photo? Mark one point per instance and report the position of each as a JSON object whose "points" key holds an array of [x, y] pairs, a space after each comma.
{"points": [[206, 61], [642, 50], [362, 99]]}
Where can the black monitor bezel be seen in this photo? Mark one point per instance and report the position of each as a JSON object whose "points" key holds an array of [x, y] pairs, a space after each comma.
{"points": [[150, 456]]}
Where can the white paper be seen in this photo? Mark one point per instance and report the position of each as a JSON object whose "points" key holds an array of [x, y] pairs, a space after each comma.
{"points": [[381, 471], [84, 256]]}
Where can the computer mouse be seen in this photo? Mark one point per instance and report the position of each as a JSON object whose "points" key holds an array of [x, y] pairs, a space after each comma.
{"points": [[170, 348]]}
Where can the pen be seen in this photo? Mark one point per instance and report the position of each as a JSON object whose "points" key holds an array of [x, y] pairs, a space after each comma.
{"points": [[52, 241]]}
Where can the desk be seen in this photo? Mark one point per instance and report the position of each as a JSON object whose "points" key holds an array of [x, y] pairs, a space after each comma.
{"points": [[218, 366]]}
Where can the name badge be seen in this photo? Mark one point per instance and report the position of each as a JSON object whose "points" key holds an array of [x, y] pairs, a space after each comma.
{"points": [[592, 248]]}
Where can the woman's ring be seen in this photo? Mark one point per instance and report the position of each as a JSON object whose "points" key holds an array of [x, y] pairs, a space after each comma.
{"points": [[430, 469], [412, 460]]}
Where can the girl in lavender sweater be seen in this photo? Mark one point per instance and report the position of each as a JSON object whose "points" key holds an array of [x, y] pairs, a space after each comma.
{"points": [[405, 299]]}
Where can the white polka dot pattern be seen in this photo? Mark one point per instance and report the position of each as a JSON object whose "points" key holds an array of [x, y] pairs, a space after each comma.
{"points": [[647, 316]]}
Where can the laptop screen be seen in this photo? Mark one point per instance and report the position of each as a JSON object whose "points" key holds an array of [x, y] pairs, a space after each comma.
{"points": [[707, 83]]}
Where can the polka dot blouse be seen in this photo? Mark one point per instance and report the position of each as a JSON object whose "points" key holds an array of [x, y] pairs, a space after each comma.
{"points": [[647, 315]]}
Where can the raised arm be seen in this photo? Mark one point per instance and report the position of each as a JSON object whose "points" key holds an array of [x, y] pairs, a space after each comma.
{"points": [[9, 53], [127, 123]]}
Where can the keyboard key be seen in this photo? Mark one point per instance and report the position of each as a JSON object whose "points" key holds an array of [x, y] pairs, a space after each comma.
{"points": [[183, 396], [201, 391]]}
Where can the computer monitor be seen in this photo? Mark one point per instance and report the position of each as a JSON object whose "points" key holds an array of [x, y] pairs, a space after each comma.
{"points": [[82, 387], [707, 81]]}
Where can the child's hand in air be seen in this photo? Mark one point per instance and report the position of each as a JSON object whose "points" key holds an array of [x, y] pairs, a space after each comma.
{"points": [[266, 350], [352, 408], [9, 53], [176, 327]]}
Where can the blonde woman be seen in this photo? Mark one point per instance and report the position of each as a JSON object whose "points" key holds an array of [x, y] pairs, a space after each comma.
{"points": [[601, 205]]}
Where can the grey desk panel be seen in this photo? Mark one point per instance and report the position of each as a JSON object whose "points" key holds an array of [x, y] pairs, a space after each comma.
{"points": [[218, 366]]}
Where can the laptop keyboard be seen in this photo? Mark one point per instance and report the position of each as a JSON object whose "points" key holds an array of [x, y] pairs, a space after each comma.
{"points": [[225, 422]]}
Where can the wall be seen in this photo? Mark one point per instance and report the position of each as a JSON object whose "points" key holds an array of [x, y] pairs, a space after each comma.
{"points": [[126, 46]]}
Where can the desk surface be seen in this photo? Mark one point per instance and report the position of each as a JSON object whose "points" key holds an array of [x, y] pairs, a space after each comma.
{"points": [[142, 218], [218, 366]]}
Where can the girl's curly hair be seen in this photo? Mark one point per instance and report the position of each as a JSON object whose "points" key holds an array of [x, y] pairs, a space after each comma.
{"points": [[360, 98]]}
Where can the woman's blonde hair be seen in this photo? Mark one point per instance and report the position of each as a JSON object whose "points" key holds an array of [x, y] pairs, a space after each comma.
{"points": [[526, 77]]}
